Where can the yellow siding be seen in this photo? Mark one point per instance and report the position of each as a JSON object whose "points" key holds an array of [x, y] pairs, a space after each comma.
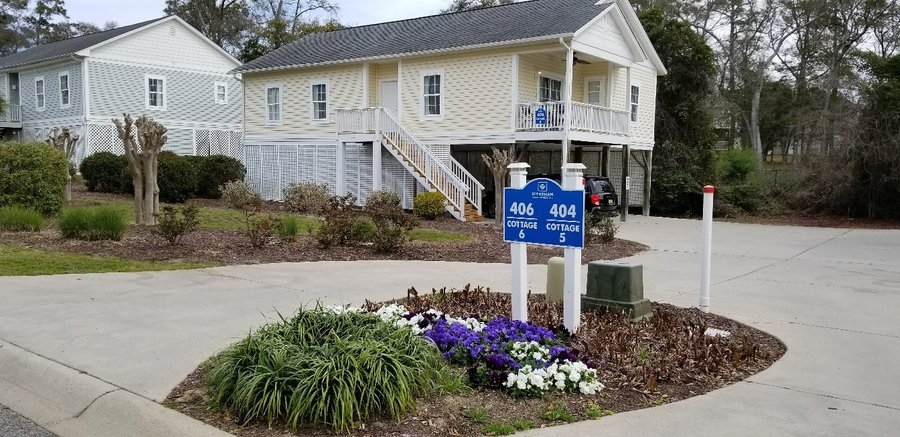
{"points": [[345, 89], [645, 78], [619, 95], [531, 66], [476, 92], [377, 74]]}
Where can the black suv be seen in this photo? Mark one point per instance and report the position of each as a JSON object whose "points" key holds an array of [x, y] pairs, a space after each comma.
{"points": [[599, 195]]}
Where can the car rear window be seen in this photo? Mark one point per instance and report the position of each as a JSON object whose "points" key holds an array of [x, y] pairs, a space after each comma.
{"points": [[600, 186]]}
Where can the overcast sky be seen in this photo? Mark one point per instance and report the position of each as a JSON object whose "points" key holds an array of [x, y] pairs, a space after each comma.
{"points": [[352, 13]]}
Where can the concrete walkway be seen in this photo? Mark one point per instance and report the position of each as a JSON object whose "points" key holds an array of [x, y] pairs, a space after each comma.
{"points": [[831, 295]]}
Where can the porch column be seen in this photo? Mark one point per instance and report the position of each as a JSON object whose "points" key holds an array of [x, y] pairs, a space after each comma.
{"points": [[340, 178], [604, 162], [623, 196], [376, 164], [648, 179], [628, 97], [567, 101]]}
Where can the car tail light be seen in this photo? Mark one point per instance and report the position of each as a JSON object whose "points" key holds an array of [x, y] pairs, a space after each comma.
{"points": [[595, 199]]}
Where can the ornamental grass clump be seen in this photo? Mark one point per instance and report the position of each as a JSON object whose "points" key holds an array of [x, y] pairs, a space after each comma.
{"points": [[101, 223], [325, 366], [18, 219]]}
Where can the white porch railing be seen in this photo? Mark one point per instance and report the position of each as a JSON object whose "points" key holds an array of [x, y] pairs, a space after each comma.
{"points": [[13, 114], [356, 121], [475, 188], [585, 117]]}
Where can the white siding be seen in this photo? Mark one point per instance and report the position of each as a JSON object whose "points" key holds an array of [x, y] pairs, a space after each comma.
{"points": [[168, 44], [645, 77], [52, 108], [4, 88], [118, 88], [609, 37]]}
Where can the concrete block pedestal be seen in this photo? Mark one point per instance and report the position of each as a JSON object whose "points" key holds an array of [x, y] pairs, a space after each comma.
{"points": [[617, 285]]}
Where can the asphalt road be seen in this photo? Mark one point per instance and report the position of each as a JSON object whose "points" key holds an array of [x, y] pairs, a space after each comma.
{"points": [[14, 425]]}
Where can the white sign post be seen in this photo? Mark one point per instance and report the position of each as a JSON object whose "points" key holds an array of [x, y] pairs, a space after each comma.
{"points": [[706, 250], [572, 181], [518, 175]]}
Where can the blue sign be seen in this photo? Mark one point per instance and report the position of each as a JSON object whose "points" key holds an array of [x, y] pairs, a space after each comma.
{"points": [[540, 117], [543, 213]]}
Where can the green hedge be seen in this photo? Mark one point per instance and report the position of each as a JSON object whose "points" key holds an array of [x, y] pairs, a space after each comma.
{"points": [[179, 177], [32, 175], [102, 172]]}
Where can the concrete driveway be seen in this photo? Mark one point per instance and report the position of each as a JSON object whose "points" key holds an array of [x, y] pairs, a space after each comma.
{"points": [[830, 294]]}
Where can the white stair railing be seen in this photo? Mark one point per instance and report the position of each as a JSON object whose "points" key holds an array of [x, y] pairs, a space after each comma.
{"points": [[356, 121], [475, 189], [423, 161]]}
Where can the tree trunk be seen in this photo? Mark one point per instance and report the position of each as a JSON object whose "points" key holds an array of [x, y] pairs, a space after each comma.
{"points": [[149, 195], [499, 184], [755, 139]]}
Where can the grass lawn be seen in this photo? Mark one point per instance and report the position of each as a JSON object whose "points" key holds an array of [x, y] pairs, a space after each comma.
{"points": [[229, 219], [16, 261]]}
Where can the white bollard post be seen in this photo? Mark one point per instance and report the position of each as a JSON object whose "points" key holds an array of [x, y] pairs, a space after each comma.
{"points": [[706, 251], [518, 176], [572, 180]]}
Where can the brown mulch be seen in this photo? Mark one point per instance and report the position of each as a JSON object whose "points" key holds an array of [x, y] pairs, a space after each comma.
{"points": [[626, 389], [230, 247]]}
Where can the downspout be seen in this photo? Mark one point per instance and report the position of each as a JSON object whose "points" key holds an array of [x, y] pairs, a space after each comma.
{"points": [[567, 102], [85, 108]]}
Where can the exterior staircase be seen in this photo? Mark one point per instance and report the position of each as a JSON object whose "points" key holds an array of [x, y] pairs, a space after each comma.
{"points": [[461, 189]]}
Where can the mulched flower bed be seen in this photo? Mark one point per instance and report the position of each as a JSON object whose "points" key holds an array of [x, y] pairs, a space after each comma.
{"points": [[229, 247], [664, 359]]}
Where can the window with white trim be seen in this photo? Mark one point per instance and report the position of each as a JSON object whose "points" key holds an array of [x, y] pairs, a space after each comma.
{"points": [[273, 104], [220, 90], [550, 89], [64, 89], [155, 87], [39, 95], [432, 94], [320, 101], [635, 100], [596, 92]]}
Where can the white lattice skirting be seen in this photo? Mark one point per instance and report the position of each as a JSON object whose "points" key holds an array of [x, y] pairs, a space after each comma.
{"points": [[103, 138]]}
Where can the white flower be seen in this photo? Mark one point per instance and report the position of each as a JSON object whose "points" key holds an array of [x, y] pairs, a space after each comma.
{"points": [[561, 383], [574, 376]]}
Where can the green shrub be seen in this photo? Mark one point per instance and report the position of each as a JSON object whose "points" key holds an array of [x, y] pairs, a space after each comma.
{"points": [[289, 228], [240, 195], [323, 368], [735, 199], [32, 175], [736, 166], [177, 178], [18, 219], [601, 228], [364, 230], [306, 197], [337, 227], [102, 172], [102, 223], [261, 228], [174, 223], [392, 222], [429, 205], [215, 171]]}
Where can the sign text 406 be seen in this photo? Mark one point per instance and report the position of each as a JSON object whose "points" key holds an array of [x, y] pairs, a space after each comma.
{"points": [[521, 209]]}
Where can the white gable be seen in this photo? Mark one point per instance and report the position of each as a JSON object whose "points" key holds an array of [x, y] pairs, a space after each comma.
{"points": [[609, 36], [168, 43]]}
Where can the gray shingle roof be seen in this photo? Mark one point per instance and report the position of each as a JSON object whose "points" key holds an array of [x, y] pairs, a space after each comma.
{"points": [[499, 24], [66, 47]]}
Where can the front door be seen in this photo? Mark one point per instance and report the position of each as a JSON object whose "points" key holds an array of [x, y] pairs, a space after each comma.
{"points": [[388, 98]]}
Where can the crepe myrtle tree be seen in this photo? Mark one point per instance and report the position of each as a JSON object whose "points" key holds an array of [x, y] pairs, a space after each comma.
{"points": [[497, 162], [143, 157], [64, 140]]}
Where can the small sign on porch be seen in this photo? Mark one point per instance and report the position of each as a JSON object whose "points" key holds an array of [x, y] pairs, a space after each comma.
{"points": [[540, 117]]}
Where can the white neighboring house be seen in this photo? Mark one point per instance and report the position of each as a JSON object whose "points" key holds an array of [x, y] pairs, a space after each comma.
{"points": [[412, 105], [163, 68]]}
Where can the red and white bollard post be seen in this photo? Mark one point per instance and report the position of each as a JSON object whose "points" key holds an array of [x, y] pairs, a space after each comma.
{"points": [[706, 250]]}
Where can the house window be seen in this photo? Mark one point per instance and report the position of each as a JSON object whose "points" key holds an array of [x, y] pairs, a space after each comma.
{"points": [[273, 104], [320, 101], [156, 92], [220, 91], [550, 89], [64, 90], [431, 94], [595, 92], [635, 100], [39, 96]]}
